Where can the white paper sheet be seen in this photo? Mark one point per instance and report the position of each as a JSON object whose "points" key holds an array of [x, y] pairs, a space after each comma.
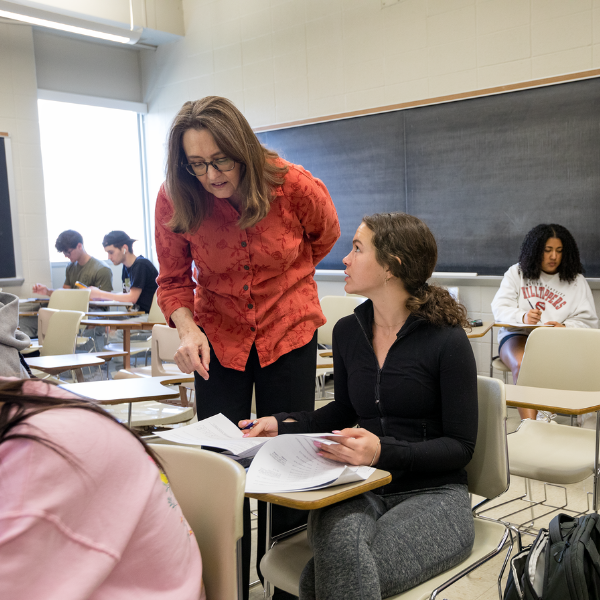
{"points": [[289, 463]]}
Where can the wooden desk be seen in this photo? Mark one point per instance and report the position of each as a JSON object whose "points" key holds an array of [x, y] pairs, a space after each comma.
{"points": [[54, 365], [128, 390], [311, 500], [40, 300], [477, 332], [28, 314], [108, 314], [109, 303], [126, 326], [568, 402]]}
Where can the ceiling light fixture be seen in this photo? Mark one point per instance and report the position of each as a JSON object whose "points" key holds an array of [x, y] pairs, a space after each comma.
{"points": [[61, 22]]}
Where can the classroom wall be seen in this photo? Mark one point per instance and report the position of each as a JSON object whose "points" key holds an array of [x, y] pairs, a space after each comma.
{"points": [[19, 118], [284, 60]]}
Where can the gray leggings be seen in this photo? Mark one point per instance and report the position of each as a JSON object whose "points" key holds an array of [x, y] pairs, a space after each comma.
{"points": [[372, 547]]}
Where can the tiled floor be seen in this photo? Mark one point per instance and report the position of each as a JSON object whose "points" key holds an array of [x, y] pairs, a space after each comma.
{"points": [[482, 583]]}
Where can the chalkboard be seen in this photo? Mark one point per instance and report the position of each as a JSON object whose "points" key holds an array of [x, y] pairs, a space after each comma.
{"points": [[480, 172], [7, 250]]}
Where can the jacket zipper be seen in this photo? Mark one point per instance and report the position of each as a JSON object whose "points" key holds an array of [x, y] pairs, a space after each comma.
{"points": [[378, 382], [424, 426]]}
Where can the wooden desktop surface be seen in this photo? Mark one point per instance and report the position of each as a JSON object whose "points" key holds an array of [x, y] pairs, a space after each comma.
{"points": [[311, 500], [477, 332], [567, 402]]}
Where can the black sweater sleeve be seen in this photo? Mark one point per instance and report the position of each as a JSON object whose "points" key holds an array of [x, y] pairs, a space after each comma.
{"points": [[338, 414], [458, 387]]}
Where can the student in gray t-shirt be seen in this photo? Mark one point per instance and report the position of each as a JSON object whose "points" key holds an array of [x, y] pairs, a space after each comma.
{"points": [[83, 268]]}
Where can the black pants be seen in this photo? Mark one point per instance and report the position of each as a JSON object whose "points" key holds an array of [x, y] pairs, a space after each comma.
{"points": [[286, 385]]}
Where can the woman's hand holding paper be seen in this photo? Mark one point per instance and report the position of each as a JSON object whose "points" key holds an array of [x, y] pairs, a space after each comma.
{"points": [[356, 447]]}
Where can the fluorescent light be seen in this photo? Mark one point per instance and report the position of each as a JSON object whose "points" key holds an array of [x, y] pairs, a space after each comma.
{"points": [[61, 22]]}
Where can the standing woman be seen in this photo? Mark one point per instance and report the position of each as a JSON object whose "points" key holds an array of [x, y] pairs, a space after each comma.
{"points": [[404, 371], [255, 227], [545, 286]]}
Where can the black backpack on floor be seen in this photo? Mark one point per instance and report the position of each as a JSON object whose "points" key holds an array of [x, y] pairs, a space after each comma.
{"points": [[562, 564]]}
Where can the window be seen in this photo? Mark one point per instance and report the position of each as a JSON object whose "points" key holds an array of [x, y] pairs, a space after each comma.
{"points": [[92, 176]]}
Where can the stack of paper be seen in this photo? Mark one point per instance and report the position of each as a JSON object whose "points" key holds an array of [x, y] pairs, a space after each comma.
{"points": [[285, 463]]}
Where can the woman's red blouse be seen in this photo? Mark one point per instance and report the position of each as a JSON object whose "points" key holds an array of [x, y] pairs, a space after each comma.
{"points": [[255, 285]]}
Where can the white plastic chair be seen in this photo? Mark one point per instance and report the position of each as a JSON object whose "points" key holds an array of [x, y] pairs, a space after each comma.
{"points": [[334, 308], [70, 300], [210, 491], [562, 359], [488, 477], [61, 333]]}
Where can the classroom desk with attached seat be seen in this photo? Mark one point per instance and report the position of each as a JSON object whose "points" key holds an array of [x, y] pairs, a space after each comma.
{"points": [[123, 391], [125, 325], [313, 499], [567, 402], [55, 365]]}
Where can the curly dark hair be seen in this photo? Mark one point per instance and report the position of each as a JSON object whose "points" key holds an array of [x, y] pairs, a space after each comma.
{"points": [[532, 252], [401, 236]]}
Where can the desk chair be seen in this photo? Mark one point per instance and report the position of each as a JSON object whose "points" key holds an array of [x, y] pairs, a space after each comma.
{"points": [[500, 366], [70, 300], [143, 346], [563, 359], [334, 308], [210, 491], [488, 477], [58, 334]]}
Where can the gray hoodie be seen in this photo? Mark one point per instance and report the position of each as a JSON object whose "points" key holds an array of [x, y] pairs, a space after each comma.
{"points": [[11, 340]]}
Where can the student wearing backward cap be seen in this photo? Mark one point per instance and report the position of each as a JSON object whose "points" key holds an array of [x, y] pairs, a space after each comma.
{"points": [[139, 274]]}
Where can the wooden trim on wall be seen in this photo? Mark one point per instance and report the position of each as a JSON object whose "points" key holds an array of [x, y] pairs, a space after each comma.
{"points": [[3, 134], [439, 100]]}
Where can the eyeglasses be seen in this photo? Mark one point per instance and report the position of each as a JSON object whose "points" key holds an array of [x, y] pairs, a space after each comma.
{"points": [[200, 168], [67, 253]]}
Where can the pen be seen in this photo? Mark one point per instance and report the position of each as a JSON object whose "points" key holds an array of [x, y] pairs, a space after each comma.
{"points": [[249, 425]]}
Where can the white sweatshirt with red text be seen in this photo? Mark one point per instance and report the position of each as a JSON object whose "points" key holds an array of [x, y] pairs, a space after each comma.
{"points": [[569, 303]]}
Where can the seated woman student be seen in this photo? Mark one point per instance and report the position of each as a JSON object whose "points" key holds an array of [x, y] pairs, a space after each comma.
{"points": [[405, 373], [545, 286], [84, 509]]}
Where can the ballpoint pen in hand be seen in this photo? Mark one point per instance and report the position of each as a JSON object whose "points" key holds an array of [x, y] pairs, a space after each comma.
{"points": [[249, 426]]}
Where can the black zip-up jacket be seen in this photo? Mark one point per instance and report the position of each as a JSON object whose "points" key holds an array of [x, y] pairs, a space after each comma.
{"points": [[422, 403]]}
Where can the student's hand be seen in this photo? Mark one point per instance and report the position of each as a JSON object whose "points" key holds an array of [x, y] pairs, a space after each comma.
{"points": [[533, 317], [193, 353], [357, 447], [555, 324], [39, 288], [263, 427], [94, 293]]}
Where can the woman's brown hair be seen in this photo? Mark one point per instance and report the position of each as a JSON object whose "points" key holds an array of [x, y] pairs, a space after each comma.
{"points": [[407, 247], [16, 406], [235, 138]]}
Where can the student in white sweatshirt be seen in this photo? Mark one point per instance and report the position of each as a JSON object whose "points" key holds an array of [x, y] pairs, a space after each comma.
{"points": [[546, 286]]}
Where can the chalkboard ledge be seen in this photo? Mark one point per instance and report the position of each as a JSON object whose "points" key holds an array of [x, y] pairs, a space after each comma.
{"points": [[12, 281], [441, 279]]}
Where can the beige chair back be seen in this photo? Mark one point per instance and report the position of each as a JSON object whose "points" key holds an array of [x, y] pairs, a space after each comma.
{"points": [[562, 359], [70, 300], [334, 308], [44, 315], [488, 470], [155, 315], [210, 490], [61, 334], [165, 342]]}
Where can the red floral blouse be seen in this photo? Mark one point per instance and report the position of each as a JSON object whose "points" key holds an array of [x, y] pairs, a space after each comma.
{"points": [[254, 286]]}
